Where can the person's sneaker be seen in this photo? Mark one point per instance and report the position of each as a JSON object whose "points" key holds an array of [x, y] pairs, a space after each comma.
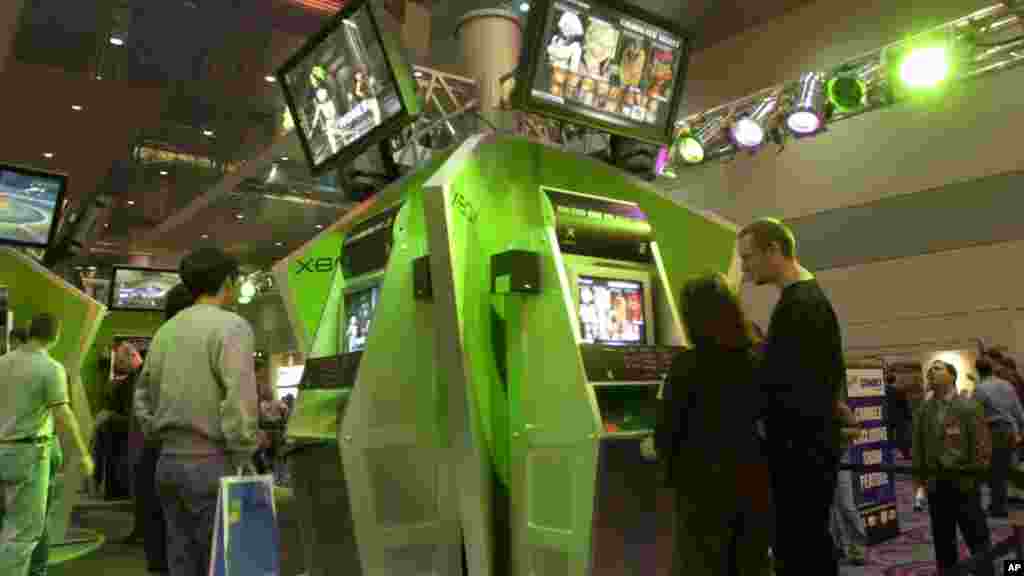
{"points": [[855, 554]]}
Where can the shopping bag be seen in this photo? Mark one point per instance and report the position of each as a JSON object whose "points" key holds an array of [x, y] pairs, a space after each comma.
{"points": [[246, 541]]}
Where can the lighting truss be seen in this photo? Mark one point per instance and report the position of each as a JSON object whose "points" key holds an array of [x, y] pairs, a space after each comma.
{"points": [[986, 41]]}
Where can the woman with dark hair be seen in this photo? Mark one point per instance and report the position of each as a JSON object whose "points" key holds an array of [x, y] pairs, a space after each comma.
{"points": [[706, 438], [149, 515]]}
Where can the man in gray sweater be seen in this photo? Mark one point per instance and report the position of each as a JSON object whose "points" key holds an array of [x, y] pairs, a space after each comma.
{"points": [[198, 394]]}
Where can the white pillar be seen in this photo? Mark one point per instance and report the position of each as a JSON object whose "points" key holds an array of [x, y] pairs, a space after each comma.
{"points": [[490, 41]]}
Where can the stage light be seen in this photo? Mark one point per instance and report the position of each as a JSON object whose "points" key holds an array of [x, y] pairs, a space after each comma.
{"points": [[163, 172], [240, 216], [278, 243], [248, 289], [925, 67], [693, 144], [808, 113], [116, 41], [319, 226], [748, 131], [131, 202], [847, 92], [244, 300], [205, 236], [284, 158]]}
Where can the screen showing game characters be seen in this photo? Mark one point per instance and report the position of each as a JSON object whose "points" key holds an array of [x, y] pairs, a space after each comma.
{"points": [[342, 88], [139, 343], [139, 289], [29, 206], [607, 65], [359, 308], [611, 311]]}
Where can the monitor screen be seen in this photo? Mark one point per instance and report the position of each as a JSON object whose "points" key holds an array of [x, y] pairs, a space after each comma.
{"points": [[141, 289], [344, 89], [30, 203], [359, 307], [611, 311], [614, 68], [288, 378]]}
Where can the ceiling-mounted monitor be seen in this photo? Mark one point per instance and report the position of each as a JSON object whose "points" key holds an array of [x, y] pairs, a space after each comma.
{"points": [[348, 88], [141, 288], [602, 64], [30, 206]]}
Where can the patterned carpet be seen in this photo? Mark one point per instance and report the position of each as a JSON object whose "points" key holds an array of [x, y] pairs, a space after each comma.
{"points": [[911, 554]]}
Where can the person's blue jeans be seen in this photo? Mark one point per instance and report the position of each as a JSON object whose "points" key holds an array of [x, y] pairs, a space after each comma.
{"points": [[24, 483], [39, 565], [847, 523], [188, 487]]}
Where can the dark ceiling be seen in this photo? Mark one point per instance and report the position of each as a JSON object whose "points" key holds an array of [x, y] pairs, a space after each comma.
{"points": [[187, 66]]}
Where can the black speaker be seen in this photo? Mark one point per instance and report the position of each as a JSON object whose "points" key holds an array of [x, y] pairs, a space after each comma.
{"points": [[421, 286], [515, 271]]}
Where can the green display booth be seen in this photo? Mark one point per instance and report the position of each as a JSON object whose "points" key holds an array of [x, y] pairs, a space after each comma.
{"points": [[32, 289], [522, 321]]}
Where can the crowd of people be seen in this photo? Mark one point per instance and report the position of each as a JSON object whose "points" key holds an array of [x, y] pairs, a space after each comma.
{"points": [[196, 398], [769, 496]]}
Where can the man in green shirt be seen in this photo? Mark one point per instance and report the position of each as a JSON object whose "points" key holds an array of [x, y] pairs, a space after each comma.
{"points": [[33, 399], [950, 433]]}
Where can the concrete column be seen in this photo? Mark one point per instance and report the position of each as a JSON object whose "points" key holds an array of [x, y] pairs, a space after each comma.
{"points": [[10, 10], [490, 41]]}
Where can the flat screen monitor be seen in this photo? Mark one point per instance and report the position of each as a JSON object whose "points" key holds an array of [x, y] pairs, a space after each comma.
{"points": [[348, 88], [604, 65], [30, 206], [288, 378], [141, 288], [611, 311], [359, 307]]}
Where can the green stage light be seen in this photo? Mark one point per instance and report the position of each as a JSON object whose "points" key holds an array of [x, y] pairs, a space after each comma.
{"points": [[925, 67], [846, 92], [690, 150]]}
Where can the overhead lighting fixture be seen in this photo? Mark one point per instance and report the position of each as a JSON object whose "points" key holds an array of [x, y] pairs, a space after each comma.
{"points": [[205, 236], [77, 108], [270, 78], [847, 92], [278, 243], [693, 145], [208, 133], [248, 289], [48, 155], [418, 74], [921, 65], [284, 158], [807, 115], [116, 41], [163, 172], [524, 7], [319, 226], [99, 77], [748, 132], [244, 300], [240, 216], [131, 202]]}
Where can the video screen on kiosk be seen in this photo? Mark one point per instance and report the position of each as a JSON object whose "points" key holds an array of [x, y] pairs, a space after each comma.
{"points": [[614, 68], [141, 288], [359, 307], [611, 311], [344, 85], [30, 203]]}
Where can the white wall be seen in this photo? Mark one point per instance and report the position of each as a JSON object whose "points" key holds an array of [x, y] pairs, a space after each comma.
{"points": [[902, 308]]}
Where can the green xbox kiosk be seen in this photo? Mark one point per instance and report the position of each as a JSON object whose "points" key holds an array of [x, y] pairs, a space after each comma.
{"points": [[371, 462], [521, 326]]}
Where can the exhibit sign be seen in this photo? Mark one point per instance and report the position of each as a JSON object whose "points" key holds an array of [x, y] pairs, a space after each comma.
{"points": [[874, 492]]}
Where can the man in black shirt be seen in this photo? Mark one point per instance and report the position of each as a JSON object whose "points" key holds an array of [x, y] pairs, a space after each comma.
{"points": [[801, 377]]}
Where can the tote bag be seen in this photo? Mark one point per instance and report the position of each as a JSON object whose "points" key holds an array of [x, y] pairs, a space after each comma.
{"points": [[246, 541]]}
